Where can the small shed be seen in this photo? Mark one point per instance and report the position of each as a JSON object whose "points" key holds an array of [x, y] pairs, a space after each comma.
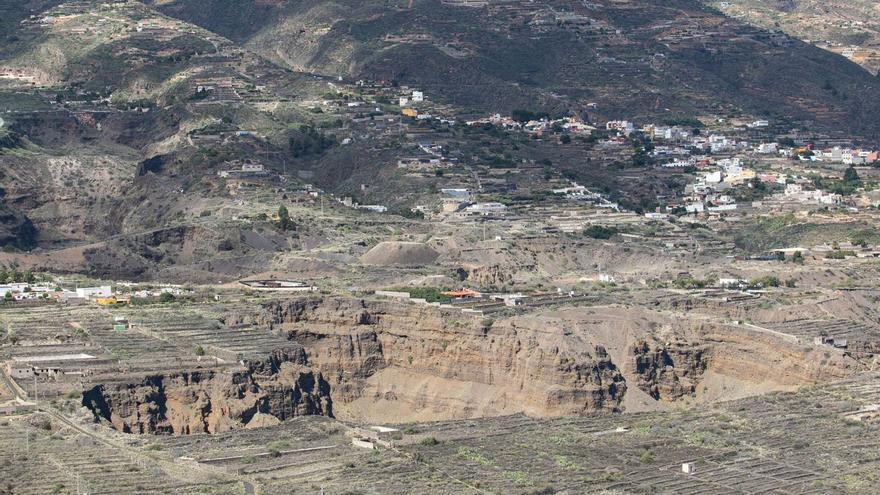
{"points": [[688, 467]]}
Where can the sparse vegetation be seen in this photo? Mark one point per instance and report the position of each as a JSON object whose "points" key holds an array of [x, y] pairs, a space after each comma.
{"points": [[429, 442], [600, 232]]}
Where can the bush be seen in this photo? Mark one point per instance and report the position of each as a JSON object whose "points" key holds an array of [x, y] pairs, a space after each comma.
{"points": [[166, 297], [309, 141], [600, 232], [761, 282], [691, 283], [429, 441], [200, 351], [839, 255], [647, 457]]}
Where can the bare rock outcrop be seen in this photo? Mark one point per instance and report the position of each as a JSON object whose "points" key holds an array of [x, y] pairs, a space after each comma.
{"points": [[212, 401], [410, 362], [669, 372]]}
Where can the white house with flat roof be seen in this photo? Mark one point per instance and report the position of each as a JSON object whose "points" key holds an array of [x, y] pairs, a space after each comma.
{"points": [[92, 292]]}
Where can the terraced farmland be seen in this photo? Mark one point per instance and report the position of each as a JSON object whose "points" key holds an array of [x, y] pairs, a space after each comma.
{"points": [[57, 459]]}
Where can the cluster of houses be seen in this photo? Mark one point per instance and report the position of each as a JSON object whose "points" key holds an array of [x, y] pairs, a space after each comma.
{"points": [[837, 154], [243, 170], [578, 192], [103, 295], [712, 190], [26, 292], [570, 125], [459, 203]]}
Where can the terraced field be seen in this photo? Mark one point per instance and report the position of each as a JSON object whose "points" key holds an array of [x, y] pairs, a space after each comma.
{"points": [[42, 456], [792, 443], [806, 330]]}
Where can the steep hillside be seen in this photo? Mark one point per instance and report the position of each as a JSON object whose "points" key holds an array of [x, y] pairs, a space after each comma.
{"points": [[634, 58], [849, 28], [104, 127]]}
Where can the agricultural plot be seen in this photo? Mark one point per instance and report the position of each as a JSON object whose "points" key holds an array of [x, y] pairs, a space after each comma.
{"points": [[41, 325], [44, 456], [189, 330], [807, 330], [793, 443], [299, 456], [783, 443], [66, 346]]}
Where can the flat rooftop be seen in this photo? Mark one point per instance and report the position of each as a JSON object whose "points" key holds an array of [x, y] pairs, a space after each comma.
{"points": [[57, 357]]}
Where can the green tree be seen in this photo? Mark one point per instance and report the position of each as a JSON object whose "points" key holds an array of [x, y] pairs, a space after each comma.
{"points": [[851, 176], [166, 297], [284, 222], [523, 116]]}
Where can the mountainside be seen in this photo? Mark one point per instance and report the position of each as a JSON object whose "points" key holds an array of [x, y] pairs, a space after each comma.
{"points": [[122, 120], [634, 58], [102, 144], [850, 28]]}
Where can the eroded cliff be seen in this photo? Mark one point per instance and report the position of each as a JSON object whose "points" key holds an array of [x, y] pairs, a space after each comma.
{"points": [[409, 362], [213, 400], [387, 361]]}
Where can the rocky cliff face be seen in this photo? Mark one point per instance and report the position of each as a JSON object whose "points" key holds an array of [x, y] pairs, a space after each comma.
{"points": [[669, 372], [409, 362], [211, 401], [385, 361]]}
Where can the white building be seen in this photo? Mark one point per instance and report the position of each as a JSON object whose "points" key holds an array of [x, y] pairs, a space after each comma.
{"points": [[93, 292], [485, 209], [623, 126], [713, 177], [13, 288], [767, 148], [793, 189], [719, 143]]}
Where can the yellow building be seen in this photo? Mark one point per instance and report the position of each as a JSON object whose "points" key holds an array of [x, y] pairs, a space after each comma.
{"points": [[409, 112], [741, 177], [106, 301]]}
